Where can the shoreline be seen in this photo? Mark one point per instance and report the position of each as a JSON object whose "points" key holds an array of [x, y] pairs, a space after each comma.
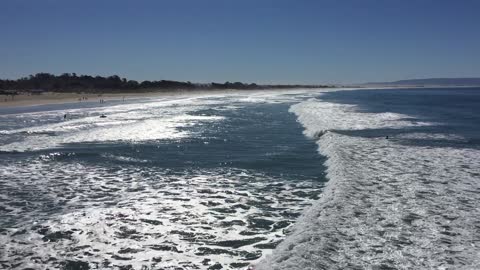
{"points": [[51, 98]]}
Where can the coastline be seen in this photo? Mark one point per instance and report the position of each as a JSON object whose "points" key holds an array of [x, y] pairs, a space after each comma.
{"points": [[25, 99], [47, 98]]}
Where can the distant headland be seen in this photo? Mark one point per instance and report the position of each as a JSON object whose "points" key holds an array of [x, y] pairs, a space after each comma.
{"points": [[445, 82], [71, 83]]}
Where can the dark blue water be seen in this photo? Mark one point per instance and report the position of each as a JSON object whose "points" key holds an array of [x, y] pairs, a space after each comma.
{"points": [[451, 110], [263, 137]]}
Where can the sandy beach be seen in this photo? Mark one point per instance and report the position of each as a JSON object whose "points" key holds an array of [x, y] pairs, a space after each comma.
{"points": [[26, 99]]}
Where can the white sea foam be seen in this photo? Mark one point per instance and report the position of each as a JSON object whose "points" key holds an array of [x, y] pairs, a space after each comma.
{"points": [[153, 119], [60, 207], [142, 216], [388, 205], [136, 122], [318, 117]]}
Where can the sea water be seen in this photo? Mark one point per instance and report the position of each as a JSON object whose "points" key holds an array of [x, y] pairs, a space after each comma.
{"points": [[192, 182], [404, 182], [228, 180]]}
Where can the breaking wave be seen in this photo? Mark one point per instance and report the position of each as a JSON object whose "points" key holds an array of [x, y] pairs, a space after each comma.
{"points": [[388, 204], [125, 123]]}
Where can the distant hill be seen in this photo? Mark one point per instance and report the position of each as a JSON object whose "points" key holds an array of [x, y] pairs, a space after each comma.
{"points": [[431, 82]]}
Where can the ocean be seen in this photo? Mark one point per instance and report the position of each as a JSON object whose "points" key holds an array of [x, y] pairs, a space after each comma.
{"points": [[299, 179]]}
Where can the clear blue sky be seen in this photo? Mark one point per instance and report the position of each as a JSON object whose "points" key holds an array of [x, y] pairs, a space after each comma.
{"points": [[280, 41]]}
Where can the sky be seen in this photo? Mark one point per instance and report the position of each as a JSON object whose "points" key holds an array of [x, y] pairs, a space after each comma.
{"points": [[262, 41]]}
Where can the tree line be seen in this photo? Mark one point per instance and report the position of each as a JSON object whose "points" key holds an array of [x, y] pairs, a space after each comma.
{"points": [[70, 82]]}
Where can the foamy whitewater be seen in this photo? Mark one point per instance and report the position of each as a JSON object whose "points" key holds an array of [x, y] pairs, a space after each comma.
{"points": [[164, 183], [228, 181], [387, 205]]}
